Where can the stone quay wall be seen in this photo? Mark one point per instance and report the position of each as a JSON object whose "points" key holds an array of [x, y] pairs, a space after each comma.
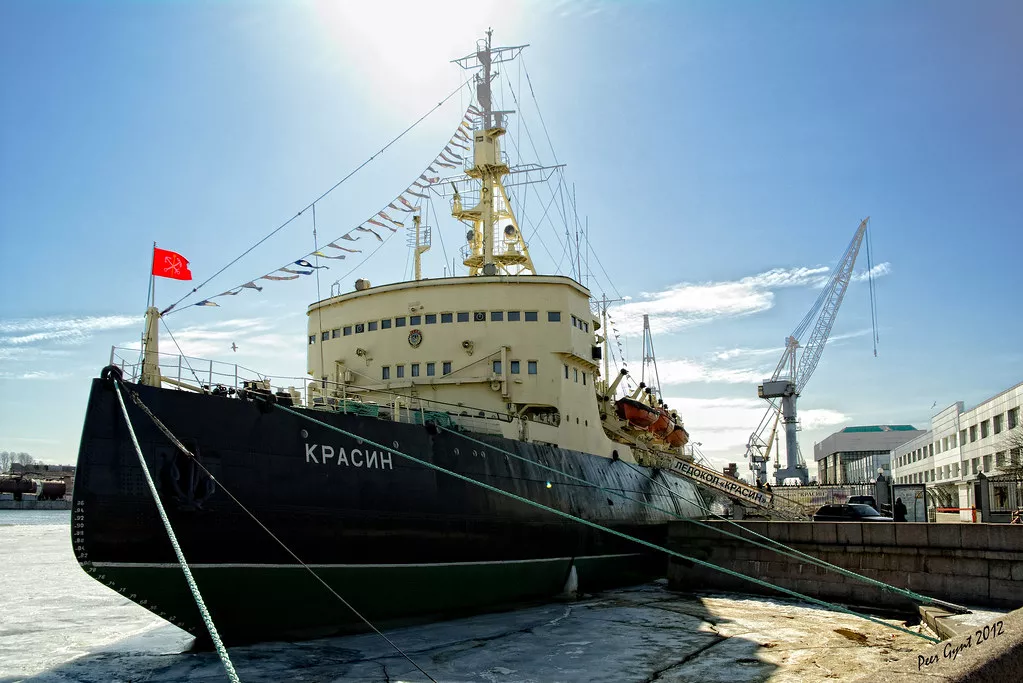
{"points": [[971, 564]]}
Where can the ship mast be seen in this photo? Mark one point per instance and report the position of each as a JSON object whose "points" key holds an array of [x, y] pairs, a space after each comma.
{"points": [[495, 244]]}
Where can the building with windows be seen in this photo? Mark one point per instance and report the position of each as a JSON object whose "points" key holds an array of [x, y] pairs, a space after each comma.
{"points": [[855, 454], [960, 445]]}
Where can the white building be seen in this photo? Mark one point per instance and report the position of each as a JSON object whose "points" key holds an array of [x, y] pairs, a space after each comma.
{"points": [[855, 454], [960, 445]]}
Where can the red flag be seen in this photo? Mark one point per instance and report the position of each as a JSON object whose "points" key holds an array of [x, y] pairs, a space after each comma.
{"points": [[170, 264]]}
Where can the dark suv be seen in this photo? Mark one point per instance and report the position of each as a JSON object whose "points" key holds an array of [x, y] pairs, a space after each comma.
{"points": [[865, 500], [849, 513]]}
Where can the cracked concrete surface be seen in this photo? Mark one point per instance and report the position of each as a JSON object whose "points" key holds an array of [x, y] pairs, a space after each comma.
{"points": [[638, 634]]}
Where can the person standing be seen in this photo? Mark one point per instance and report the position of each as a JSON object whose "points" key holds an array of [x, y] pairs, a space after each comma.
{"points": [[900, 510]]}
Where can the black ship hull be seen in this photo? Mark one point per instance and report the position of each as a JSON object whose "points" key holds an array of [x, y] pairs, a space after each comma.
{"points": [[399, 541]]}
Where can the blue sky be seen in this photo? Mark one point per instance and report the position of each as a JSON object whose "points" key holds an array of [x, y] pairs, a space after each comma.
{"points": [[723, 154]]}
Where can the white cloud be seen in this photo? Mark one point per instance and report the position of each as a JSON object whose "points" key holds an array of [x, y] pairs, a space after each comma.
{"points": [[686, 371], [35, 375], [68, 330], [880, 270]]}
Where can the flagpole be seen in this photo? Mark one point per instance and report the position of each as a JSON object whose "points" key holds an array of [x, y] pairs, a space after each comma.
{"points": [[152, 279]]}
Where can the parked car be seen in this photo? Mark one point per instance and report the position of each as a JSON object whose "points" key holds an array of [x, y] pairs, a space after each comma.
{"points": [[863, 500], [849, 513]]}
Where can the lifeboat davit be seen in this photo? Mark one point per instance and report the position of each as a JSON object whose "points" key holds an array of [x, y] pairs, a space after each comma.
{"points": [[677, 437], [637, 414], [662, 424]]}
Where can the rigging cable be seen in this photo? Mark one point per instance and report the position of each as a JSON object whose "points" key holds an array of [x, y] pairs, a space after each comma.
{"points": [[312, 203], [181, 447]]}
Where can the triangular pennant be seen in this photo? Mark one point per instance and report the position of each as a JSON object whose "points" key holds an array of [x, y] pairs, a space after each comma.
{"points": [[306, 264], [207, 302], [253, 285], [355, 251], [474, 110], [462, 135], [340, 256], [294, 272], [279, 277], [377, 223], [445, 157], [441, 163], [429, 179], [417, 194], [407, 203], [227, 293], [386, 217], [348, 236], [371, 231], [458, 144]]}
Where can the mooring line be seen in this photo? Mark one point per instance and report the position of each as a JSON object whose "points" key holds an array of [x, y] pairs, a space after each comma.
{"points": [[180, 446], [594, 525], [217, 643], [780, 548]]}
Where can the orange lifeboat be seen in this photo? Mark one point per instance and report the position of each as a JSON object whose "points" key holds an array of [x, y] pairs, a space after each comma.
{"points": [[677, 437], [636, 413], [662, 424]]}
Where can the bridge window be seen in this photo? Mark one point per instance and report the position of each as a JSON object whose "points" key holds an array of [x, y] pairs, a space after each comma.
{"points": [[400, 371], [530, 316], [371, 326], [584, 379], [445, 367], [463, 316], [415, 369], [496, 316], [335, 333], [446, 317], [575, 321], [312, 339], [566, 372], [514, 367], [554, 316], [431, 318], [385, 372], [497, 367], [575, 371], [325, 336], [479, 316], [415, 320], [431, 369], [531, 367], [360, 328], [399, 322], [347, 330], [514, 316], [385, 324]]}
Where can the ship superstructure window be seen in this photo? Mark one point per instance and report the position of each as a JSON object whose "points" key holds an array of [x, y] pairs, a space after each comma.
{"points": [[415, 369], [566, 372], [497, 367], [496, 316], [575, 372], [584, 379], [514, 316], [360, 328], [312, 339], [385, 324], [324, 336], [347, 330], [463, 316], [531, 367], [446, 317], [399, 370], [530, 316], [445, 368], [554, 316], [431, 369], [385, 372], [371, 326], [480, 316], [514, 367], [575, 321], [415, 320], [431, 318], [335, 333], [586, 327], [399, 322]]}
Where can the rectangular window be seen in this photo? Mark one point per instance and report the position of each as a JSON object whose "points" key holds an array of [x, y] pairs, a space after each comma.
{"points": [[445, 368], [348, 330], [431, 369], [985, 429], [385, 372], [973, 433], [930, 453], [385, 324], [312, 339], [1013, 420], [514, 369], [586, 327], [530, 316], [360, 328], [399, 370], [514, 316], [575, 321], [431, 318], [497, 367], [335, 333], [371, 326], [575, 371], [415, 320], [987, 463], [1000, 459], [566, 372], [496, 316], [531, 367], [944, 444], [463, 316], [554, 316], [974, 465], [962, 437], [952, 441], [997, 424], [415, 369], [584, 379], [399, 322], [325, 336], [447, 317]]}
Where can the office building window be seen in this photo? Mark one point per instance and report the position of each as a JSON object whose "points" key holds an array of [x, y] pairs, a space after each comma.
{"points": [[431, 369], [952, 441], [997, 422], [496, 316], [447, 317], [399, 371], [554, 316], [399, 322], [385, 324], [987, 463], [514, 369], [1013, 418], [974, 465], [497, 367], [445, 367], [415, 369], [985, 429], [371, 326], [463, 316], [962, 437], [431, 318], [530, 316], [415, 320], [514, 316], [531, 367], [385, 372], [973, 433]]}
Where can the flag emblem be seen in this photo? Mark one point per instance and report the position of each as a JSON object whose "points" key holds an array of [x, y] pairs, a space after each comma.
{"points": [[170, 264]]}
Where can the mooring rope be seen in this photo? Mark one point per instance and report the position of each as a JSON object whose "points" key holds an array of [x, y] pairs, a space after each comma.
{"points": [[613, 532], [217, 643], [180, 446], [779, 548]]}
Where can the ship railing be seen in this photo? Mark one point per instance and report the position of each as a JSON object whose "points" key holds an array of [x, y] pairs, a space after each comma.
{"points": [[189, 373]]}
